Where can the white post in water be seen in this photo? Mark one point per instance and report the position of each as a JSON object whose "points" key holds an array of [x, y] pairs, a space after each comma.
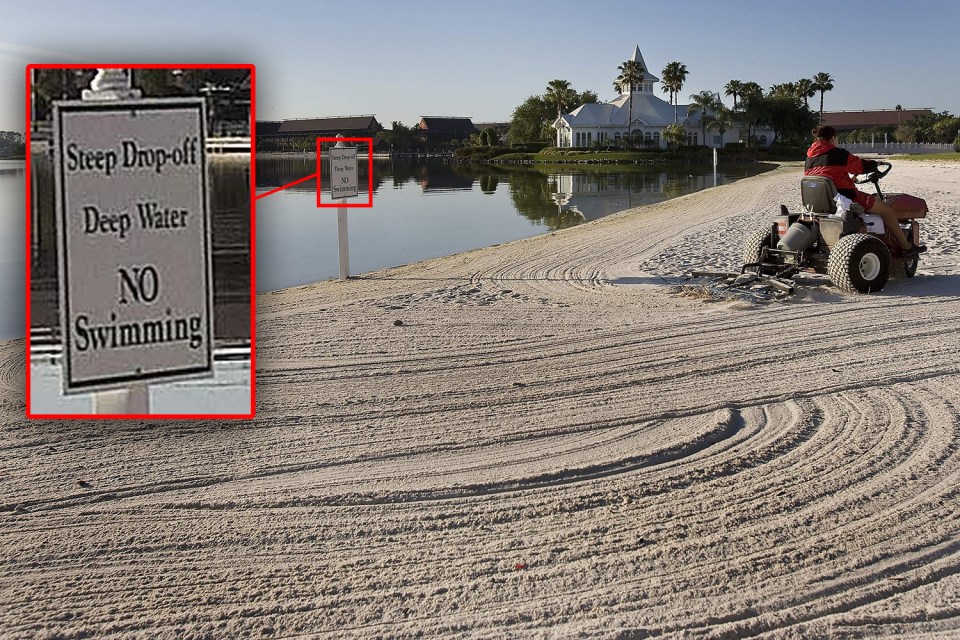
{"points": [[343, 243], [114, 84], [714, 166], [343, 184]]}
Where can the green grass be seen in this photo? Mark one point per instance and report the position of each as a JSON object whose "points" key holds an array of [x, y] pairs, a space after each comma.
{"points": [[596, 159], [659, 156], [515, 157], [601, 156], [683, 156], [923, 157]]}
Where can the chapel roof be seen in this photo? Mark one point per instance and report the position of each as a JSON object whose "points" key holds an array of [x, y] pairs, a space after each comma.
{"points": [[647, 109], [638, 57]]}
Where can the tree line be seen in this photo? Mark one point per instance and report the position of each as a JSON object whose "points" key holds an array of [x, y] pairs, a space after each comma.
{"points": [[942, 127]]}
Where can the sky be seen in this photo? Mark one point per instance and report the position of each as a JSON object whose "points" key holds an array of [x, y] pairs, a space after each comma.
{"points": [[400, 60]]}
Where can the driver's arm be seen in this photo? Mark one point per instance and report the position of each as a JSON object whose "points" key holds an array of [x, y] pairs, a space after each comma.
{"points": [[856, 165]]}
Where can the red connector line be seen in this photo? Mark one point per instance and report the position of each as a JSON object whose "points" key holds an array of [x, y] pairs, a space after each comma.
{"points": [[309, 177]]}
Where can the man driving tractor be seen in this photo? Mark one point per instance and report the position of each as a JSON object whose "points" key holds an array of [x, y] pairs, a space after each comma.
{"points": [[825, 158]]}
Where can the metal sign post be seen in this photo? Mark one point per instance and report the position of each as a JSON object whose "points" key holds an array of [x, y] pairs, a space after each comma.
{"points": [[343, 184], [342, 243], [135, 272], [714, 166]]}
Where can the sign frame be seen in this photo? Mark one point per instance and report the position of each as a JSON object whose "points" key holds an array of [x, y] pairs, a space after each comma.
{"points": [[203, 367], [347, 163], [321, 204]]}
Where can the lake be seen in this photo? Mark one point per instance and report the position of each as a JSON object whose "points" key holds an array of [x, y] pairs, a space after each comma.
{"points": [[427, 208], [12, 248], [423, 208]]}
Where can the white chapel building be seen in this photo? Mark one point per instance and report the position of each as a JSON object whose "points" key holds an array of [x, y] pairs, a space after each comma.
{"points": [[607, 121]]}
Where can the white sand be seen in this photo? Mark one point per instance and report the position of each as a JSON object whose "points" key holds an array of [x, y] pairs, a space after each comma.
{"points": [[551, 444]]}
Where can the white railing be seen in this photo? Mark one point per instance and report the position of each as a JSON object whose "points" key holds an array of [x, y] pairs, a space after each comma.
{"points": [[897, 147]]}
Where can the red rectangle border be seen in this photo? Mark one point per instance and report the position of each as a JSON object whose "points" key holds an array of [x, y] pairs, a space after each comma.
{"points": [[253, 244]]}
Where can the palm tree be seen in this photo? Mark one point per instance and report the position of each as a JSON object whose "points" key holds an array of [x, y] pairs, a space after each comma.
{"points": [[751, 90], [822, 82], [805, 90], [674, 135], [558, 93], [674, 75], [785, 90], [721, 120], [631, 74], [899, 111], [749, 93], [704, 102], [734, 88]]}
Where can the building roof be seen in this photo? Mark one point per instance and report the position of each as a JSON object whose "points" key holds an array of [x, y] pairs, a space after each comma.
{"points": [[332, 125], [638, 57], [268, 127], [446, 125], [648, 110], [874, 118]]}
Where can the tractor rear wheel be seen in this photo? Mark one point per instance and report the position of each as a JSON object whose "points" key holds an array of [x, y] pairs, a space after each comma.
{"points": [[754, 245], [859, 263]]}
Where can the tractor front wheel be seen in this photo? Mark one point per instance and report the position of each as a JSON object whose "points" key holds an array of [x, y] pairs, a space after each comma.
{"points": [[909, 267], [859, 263]]}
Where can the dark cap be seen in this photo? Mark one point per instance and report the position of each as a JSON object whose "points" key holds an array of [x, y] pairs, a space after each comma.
{"points": [[824, 132]]}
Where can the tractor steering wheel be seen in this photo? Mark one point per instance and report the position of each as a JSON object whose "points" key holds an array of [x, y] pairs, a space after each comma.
{"points": [[876, 176]]}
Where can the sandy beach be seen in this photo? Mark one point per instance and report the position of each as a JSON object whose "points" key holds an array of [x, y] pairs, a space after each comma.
{"points": [[545, 438]]}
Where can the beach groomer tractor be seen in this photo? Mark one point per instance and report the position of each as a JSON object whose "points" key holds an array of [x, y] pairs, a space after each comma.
{"points": [[835, 237]]}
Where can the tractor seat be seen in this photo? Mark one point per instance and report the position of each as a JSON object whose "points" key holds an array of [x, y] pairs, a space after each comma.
{"points": [[817, 194]]}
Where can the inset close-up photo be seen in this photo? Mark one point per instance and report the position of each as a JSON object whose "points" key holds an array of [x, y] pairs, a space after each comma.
{"points": [[139, 269]]}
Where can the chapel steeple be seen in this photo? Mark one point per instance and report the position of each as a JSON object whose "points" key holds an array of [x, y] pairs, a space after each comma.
{"points": [[646, 85]]}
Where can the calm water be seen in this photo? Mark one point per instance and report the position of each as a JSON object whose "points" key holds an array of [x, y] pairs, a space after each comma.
{"points": [[430, 208], [422, 209], [12, 243]]}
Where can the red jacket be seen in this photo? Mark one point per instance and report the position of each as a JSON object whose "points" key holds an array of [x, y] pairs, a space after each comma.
{"points": [[824, 159]]}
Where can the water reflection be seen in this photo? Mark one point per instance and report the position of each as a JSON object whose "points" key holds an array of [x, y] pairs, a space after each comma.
{"points": [[594, 196], [539, 198], [555, 196], [11, 248]]}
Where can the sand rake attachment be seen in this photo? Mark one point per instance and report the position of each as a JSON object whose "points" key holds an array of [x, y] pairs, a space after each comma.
{"points": [[757, 280]]}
